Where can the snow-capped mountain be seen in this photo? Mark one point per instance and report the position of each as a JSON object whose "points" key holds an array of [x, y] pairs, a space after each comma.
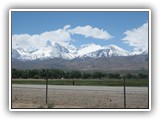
{"points": [[55, 50], [15, 54], [139, 51], [20, 53], [86, 49], [108, 51], [50, 50]]}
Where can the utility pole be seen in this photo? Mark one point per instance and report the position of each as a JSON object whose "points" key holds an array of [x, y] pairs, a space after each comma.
{"points": [[124, 86]]}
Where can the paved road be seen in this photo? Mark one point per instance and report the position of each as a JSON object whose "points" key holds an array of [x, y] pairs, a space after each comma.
{"points": [[86, 88]]}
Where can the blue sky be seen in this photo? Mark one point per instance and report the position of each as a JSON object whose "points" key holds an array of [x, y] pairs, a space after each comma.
{"points": [[113, 23]]}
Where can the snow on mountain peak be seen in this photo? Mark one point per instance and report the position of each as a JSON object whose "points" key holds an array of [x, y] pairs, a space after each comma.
{"points": [[88, 48], [117, 51], [139, 51], [56, 50], [52, 50], [108, 51]]}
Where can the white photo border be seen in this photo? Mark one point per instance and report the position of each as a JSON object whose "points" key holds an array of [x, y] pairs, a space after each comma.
{"points": [[81, 10]]}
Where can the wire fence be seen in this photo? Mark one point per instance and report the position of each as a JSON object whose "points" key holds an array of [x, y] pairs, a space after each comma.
{"points": [[67, 96]]}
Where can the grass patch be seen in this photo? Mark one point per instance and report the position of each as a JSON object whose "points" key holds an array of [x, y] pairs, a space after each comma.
{"points": [[47, 106], [50, 105], [85, 82]]}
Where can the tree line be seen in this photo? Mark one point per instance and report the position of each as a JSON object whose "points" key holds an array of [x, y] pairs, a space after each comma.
{"points": [[60, 74]]}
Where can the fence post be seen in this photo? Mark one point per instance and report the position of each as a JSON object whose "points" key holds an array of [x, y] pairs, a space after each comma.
{"points": [[46, 90], [46, 87], [124, 86]]}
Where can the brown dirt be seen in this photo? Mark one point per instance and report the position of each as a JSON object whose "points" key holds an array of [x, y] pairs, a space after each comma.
{"points": [[35, 98]]}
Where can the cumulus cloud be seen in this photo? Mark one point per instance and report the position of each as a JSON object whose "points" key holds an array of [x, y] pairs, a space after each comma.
{"points": [[38, 41], [61, 36], [89, 31], [137, 37], [66, 27]]}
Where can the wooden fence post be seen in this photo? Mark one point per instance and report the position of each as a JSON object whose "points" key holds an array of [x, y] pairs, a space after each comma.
{"points": [[46, 87], [124, 86]]}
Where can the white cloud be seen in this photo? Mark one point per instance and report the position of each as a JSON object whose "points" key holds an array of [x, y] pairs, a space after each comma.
{"points": [[66, 27], [37, 41], [89, 31], [61, 36], [21, 40], [137, 37]]}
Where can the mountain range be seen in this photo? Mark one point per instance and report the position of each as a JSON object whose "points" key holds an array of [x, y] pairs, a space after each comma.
{"points": [[54, 50], [87, 57]]}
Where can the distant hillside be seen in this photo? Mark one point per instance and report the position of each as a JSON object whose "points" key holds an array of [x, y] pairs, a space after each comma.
{"points": [[136, 62]]}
